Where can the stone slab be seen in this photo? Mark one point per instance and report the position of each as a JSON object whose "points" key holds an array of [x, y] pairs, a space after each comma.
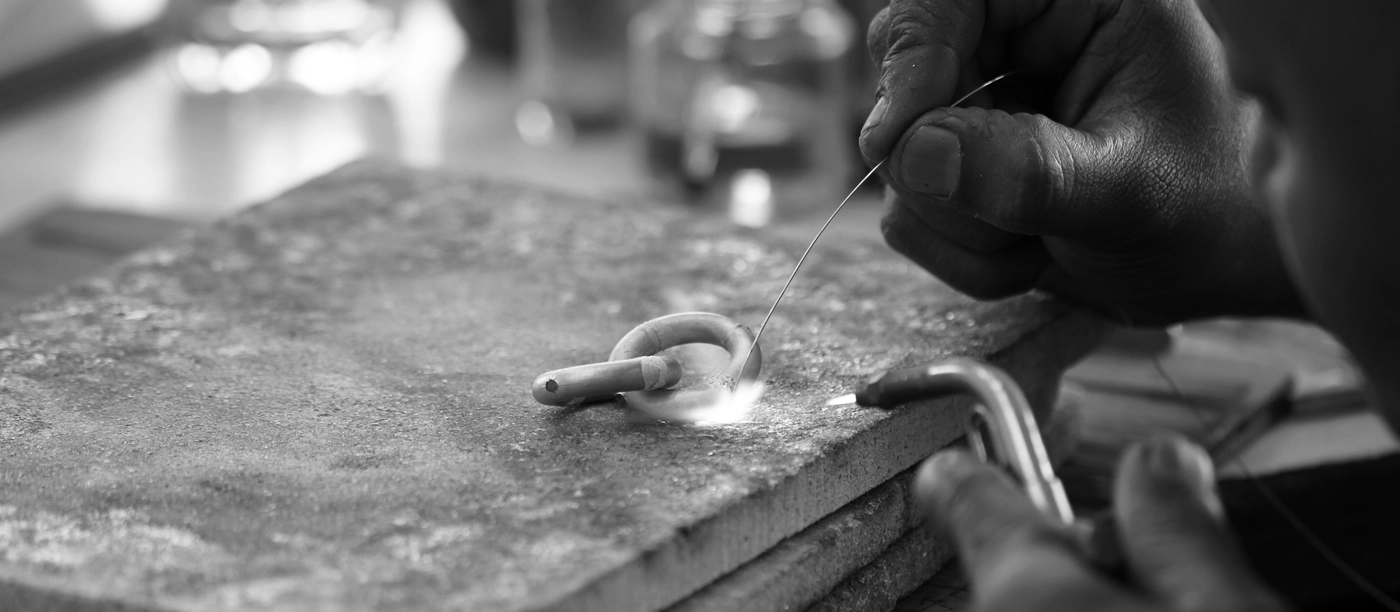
{"points": [[908, 563], [323, 404], [802, 569]]}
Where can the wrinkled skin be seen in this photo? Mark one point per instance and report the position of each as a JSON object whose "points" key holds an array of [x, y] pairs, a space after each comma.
{"points": [[1109, 169]]}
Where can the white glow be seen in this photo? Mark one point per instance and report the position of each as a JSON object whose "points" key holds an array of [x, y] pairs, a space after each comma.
{"points": [[723, 407], [714, 21], [198, 67], [732, 106], [245, 67], [537, 126], [734, 408], [327, 68], [124, 14], [751, 198]]}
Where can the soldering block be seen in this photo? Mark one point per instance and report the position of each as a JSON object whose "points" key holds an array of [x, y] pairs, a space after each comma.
{"points": [[324, 403]]}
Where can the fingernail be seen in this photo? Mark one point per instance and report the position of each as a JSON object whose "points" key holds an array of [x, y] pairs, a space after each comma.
{"points": [[931, 162], [1180, 460], [877, 114]]}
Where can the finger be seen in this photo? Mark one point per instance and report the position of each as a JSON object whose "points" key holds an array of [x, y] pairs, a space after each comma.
{"points": [[984, 276], [877, 36], [926, 44], [1171, 528], [953, 224], [991, 520], [1022, 173], [924, 47]]}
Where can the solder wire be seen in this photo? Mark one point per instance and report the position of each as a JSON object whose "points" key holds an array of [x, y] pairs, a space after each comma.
{"points": [[800, 260]]}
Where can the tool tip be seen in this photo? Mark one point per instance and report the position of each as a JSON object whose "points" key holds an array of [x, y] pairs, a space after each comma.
{"points": [[849, 398]]}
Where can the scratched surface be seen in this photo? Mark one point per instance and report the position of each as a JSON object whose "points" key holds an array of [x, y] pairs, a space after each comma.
{"points": [[323, 403]]}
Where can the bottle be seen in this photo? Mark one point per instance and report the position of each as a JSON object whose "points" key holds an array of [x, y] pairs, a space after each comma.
{"points": [[745, 101]]}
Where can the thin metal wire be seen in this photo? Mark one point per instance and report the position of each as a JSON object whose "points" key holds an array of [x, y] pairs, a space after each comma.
{"points": [[803, 258], [1293, 520], [800, 260], [981, 87]]}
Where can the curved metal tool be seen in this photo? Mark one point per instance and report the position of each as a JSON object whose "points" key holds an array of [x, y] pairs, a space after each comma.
{"points": [[1003, 417], [1002, 431]]}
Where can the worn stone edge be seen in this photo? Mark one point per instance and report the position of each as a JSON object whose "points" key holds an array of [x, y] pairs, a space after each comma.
{"points": [[800, 569], [908, 563]]}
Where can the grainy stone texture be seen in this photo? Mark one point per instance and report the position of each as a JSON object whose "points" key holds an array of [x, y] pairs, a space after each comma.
{"points": [[323, 404], [802, 569], [908, 563]]}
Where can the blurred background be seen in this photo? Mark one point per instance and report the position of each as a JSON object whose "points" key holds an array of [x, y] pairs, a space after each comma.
{"points": [[192, 109]]}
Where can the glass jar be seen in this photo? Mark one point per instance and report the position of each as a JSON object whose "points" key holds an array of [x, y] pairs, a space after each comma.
{"points": [[325, 46], [745, 101]]}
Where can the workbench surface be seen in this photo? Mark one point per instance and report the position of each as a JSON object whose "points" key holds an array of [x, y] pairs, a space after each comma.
{"points": [[323, 403]]}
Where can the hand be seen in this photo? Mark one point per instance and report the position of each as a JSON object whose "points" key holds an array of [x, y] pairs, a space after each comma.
{"points": [[1127, 188], [1178, 553]]}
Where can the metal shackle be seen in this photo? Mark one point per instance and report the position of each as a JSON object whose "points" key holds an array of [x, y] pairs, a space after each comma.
{"points": [[648, 380]]}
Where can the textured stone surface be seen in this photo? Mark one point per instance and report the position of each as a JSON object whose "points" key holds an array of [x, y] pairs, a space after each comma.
{"points": [[908, 563], [323, 403], [802, 569]]}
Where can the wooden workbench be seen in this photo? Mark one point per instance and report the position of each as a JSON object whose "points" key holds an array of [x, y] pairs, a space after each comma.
{"points": [[323, 403]]}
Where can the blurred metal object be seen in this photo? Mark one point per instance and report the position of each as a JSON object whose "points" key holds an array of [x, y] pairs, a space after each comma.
{"points": [[325, 46], [573, 67], [745, 101]]}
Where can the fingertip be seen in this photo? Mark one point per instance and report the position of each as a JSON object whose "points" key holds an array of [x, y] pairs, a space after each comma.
{"points": [[1170, 463], [871, 134], [938, 478], [1171, 532]]}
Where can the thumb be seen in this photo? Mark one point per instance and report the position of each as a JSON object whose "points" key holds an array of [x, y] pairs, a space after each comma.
{"points": [[921, 46], [1171, 528], [1016, 172]]}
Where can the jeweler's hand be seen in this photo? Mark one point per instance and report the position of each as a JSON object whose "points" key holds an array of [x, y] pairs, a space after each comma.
{"points": [[1179, 555], [1109, 169]]}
